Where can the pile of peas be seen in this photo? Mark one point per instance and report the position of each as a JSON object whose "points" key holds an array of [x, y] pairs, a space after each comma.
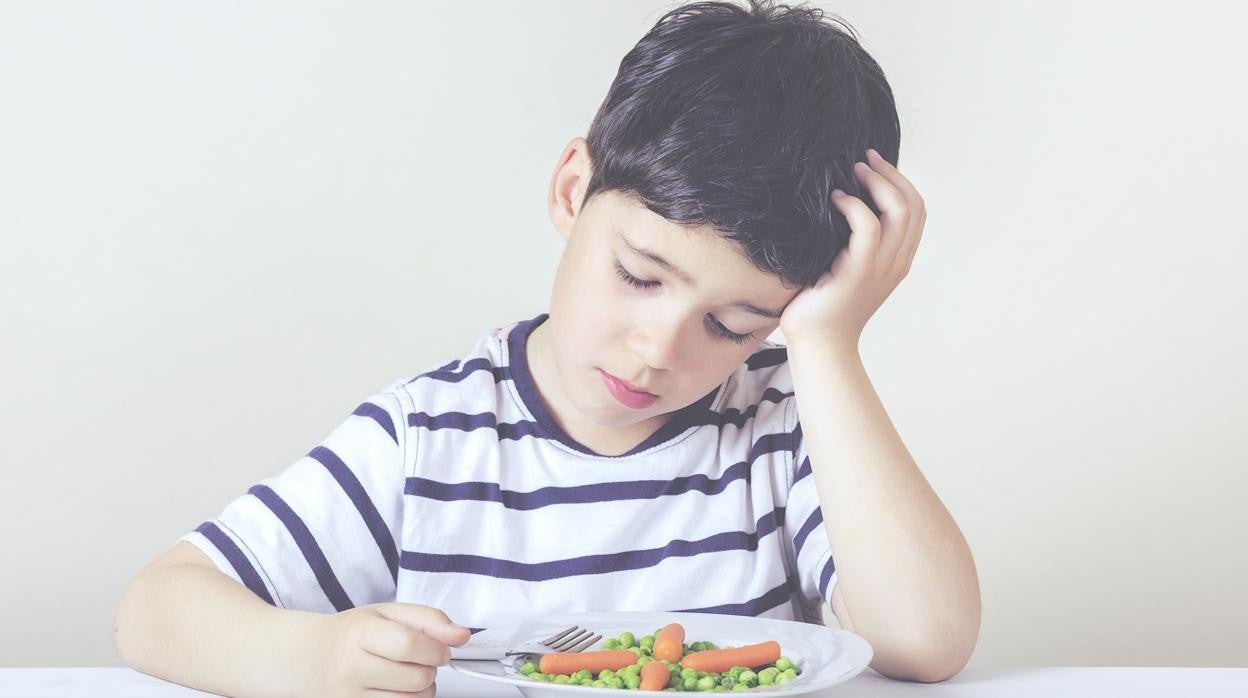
{"points": [[738, 678]]}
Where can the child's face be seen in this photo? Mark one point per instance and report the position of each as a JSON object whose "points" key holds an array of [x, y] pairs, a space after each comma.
{"points": [[667, 337]]}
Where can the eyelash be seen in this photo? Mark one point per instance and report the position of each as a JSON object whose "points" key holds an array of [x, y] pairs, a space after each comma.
{"points": [[720, 330]]}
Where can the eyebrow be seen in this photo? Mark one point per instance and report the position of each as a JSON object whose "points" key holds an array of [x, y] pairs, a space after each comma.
{"points": [[684, 276]]}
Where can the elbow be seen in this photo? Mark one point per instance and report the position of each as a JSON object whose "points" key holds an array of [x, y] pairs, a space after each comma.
{"points": [[929, 657], [122, 624], [128, 623]]}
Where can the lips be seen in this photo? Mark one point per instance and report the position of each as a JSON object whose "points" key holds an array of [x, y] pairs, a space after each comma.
{"points": [[626, 393]]}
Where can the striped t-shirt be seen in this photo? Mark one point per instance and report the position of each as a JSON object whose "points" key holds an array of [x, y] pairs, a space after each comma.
{"points": [[457, 489]]}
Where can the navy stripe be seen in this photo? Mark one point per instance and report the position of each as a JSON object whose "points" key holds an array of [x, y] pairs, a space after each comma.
{"points": [[804, 470], [380, 416], [738, 418], [598, 492], [589, 564], [472, 422], [518, 430], [753, 607], [825, 577], [363, 504], [767, 357], [307, 545], [240, 563], [454, 373], [812, 521]]}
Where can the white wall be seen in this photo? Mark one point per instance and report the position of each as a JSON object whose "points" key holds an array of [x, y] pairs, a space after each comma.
{"points": [[224, 224]]}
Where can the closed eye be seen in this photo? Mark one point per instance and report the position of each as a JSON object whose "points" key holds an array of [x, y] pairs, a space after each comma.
{"points": [[632, 280], [716, 327]]}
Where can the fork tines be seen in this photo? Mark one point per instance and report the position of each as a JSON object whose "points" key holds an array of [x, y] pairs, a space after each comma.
{"points": [[572, 639]]}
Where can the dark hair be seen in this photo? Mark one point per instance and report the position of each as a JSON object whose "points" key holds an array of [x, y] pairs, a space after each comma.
{"points": [[746, 118]]}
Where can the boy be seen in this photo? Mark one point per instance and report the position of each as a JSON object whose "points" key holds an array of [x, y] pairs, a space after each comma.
{"points": [[639, 446]]}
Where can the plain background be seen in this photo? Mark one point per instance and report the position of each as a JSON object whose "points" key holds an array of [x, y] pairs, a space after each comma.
{"points": [[224, 224]]}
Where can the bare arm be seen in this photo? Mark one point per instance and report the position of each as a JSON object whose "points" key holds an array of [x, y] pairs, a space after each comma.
{"points": [[907, 581], [183, 620]]}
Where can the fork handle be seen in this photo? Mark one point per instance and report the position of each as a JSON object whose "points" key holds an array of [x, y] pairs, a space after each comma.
{"points": [[476, 650]]}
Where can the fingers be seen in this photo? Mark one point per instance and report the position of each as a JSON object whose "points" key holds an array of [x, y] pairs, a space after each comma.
{"points": [[908, 241], [388, 639], [430, 620], [378, 693], [894, 176], [890, 240], [894, 210], [403, 678], [864, 240]]}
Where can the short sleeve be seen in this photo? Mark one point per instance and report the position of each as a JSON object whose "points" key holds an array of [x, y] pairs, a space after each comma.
{"points": [[803, 524], [321, 535]]}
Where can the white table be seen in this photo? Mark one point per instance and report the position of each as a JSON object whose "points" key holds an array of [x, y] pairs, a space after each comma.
{"points": [[974, 682]]}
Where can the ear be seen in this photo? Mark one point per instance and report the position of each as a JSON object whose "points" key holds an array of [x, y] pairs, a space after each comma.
{"points": [[567, 185]]}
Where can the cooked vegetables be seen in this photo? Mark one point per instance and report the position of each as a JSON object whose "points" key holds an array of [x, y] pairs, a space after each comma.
{"points": [[662, 661]]}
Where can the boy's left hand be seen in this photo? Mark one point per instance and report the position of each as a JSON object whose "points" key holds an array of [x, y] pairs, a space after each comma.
{"points": [[877, 258]]}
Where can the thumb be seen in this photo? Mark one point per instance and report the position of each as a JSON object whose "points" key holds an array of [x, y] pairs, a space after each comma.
{"points": [[431, 621]]}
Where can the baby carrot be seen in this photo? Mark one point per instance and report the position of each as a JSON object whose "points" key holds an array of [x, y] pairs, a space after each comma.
{"points": [[572, 662], [725, 659], [654, 676], [667, 644]]}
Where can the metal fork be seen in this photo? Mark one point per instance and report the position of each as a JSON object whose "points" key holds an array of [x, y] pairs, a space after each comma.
{"points": [[573, 639]]}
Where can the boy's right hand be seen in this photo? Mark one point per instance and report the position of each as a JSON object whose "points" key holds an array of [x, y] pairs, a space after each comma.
{"points": [[379, 650]]}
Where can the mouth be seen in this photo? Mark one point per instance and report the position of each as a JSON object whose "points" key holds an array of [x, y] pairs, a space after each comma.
{"points": [[627, 393]]}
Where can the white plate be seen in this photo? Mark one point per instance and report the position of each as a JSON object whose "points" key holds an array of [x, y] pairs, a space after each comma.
{"points": [[826, 656]]}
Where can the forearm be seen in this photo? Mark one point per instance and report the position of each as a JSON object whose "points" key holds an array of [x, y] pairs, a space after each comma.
{"points": [[191, 624], [905, 572]]}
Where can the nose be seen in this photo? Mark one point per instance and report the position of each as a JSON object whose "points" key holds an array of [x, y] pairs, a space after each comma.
{"points": [[658, 341]]}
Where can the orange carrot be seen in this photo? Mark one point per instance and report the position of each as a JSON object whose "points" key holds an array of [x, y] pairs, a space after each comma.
{"points": [[654, 676], [723, 660], [667, 645], [572, 662]]}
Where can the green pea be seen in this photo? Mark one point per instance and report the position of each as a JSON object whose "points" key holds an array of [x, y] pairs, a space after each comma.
{"points": [[615, 682], [627, 640], [605, 674], [767, 676], [539, 676], [706, 683], [675, 681], [784, 663], [560, 678], [690, 684], [644, 660], [528, 668], [748, 678], [647, 643], [611, 644], [784, 677], [632, 681], [598, 684], [583, 674], [740, 687], [735, 672], [727, 681]]}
